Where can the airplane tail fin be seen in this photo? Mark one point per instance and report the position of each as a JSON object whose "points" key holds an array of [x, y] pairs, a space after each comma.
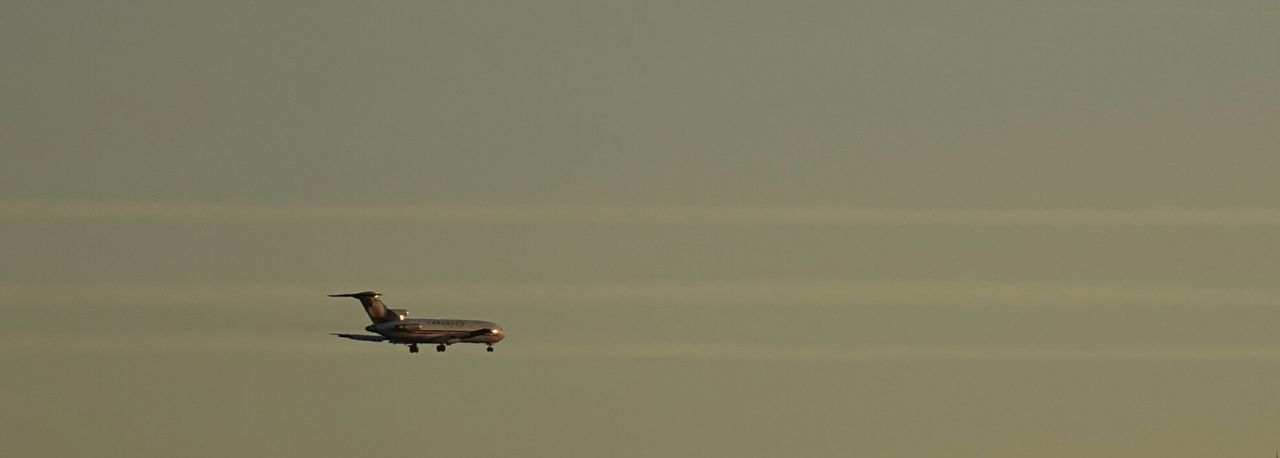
{"points": [[378, 312]]}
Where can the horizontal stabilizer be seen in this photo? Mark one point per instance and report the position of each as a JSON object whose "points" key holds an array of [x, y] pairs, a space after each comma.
{"points": [[359, 294], [373, 306], [364, 337]]}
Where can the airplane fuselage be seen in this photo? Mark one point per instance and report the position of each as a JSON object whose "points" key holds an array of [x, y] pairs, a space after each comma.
{"points": [[429, 330]]}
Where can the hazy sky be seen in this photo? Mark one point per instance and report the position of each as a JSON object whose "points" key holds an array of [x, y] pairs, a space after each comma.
{"points": [[712, 229]]}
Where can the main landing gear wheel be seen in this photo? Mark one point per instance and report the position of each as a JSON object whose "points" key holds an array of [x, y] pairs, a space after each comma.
{"points": [[413, 349], [490, 349], [440, 348]]}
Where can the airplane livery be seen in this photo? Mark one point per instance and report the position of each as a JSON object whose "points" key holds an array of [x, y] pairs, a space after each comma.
{"points": [[394, 326]]}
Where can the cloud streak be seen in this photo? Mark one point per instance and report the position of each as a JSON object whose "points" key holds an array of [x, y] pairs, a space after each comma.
{"points": [[813, 293], [692, 351], [321, 345], [205, 212]]}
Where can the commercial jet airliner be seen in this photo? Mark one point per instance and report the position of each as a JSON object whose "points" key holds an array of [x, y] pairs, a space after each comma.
{"points": [[394, 326]]}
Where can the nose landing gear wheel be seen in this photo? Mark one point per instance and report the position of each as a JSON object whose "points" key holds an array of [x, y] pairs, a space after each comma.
{"points": [[440, 348], [413, 349], [490, 349]]}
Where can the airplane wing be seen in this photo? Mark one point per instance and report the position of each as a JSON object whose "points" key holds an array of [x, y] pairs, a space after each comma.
{"points": [[364, 337]]}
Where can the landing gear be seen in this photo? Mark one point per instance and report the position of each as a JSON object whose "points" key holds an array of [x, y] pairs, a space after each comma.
{"points": [[440, 348], [413, 348], [490, 349]]}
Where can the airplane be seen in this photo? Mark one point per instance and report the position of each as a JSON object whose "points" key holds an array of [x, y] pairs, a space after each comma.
{"points": [[394, 326]]}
